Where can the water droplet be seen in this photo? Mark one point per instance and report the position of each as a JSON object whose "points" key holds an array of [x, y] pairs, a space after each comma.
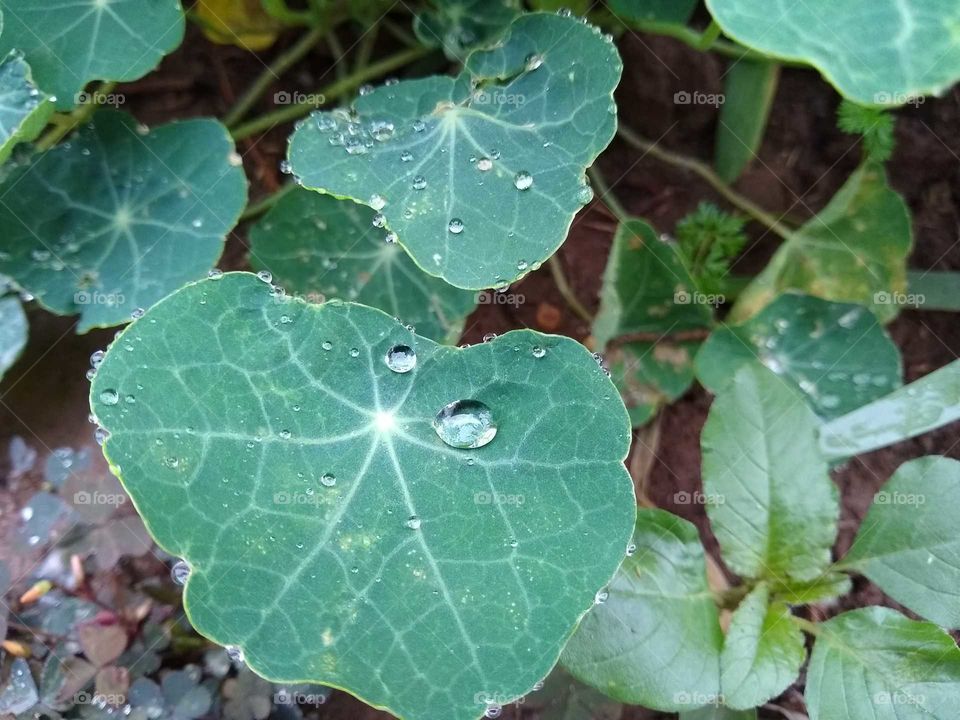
{"points": [[354, 352], [215, 274], [377, 201], [523, 180], [379, 220], [326, 345], [538, 351], [180, 572], [484, 164], [390, 238], [533, 61], [137, 313], [601, 597], [489, 336], [328, 479], [401, 358], [455, 226], [265, 276], [419, 182], [522, 265], [365, 89], [465, 424], [234, 653], [406, 156], [413, 522], [493, 711], [109, 397], [419, 126]]}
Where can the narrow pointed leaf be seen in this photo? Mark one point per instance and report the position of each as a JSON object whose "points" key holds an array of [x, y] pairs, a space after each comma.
{"points": [[656, 639], [317, 246], [482, 174], [24, 110], [332, 534], [836, 354], [13, 331], [748, 90], [120, 216], [776, 508], [908, 542]]}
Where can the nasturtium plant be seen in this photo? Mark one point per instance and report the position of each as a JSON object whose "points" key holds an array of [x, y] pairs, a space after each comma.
{"points": [[319, 247], [876, 52], [459, 26], [640, 11], [13, 331], [24, 109], [121, 216], [342, 473], [748, 90], [244, 23], [479, 175], [70, 44]]}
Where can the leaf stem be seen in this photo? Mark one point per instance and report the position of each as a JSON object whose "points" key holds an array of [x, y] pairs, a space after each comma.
{"points": [[606, 195], [258, 208], [65, 123], [707, 174], [702, 41], [810, 627], [283, 62], [569, 296], [709, 36], [331, 92], [279, 10]]}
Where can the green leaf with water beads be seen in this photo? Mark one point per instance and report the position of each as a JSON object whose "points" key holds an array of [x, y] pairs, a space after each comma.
{"points": [[876, 663], [775, 508], [422, 525], [317, 246], [24, 110], [70, 44], [876, 52], [836, 354], [655, 640], [13, 331], [908, 542], [120, 216], [854, 250], [459, 26], [479, 175]]}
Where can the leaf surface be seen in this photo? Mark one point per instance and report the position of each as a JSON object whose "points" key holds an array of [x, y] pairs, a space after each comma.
{"points": [[459, 26], [24, 110], [332, 534], [748, 90], [13, 331], [651, 375], [665, 11]]}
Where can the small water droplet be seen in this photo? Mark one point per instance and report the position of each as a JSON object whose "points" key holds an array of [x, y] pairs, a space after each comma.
{"points": [[326, 345], [265, 276], [465, 424], [484, 164], [523, 180], [390, 238], [601, 597], [455, 226], [109, 397], [419, 182], [413, 522], [215, 274], [234, 653], [379, 220], [401, 358], [180, 572], [538, 351], [354, 352], [328, 479]]}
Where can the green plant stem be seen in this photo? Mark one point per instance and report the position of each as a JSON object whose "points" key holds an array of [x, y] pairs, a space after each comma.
{"points": [[809, 627], [365, 51], [705, 40], [258, 208], [65, 124], [707, 174], [331, 92], [569, 296], [940, 289], [709, 36], [336, 47], [283, 62], [279, 10], [606, 195], [730, 598]]}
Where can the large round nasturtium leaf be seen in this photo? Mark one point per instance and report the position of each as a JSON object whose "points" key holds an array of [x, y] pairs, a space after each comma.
{"points": [[655, 640], [459, 26], [332, 534], [13, 331], [70, 44], [875, 664], [837, 354], [317, 246], [24, 110], [120, 216], [908, 542], [480, 175], [876, 52]]}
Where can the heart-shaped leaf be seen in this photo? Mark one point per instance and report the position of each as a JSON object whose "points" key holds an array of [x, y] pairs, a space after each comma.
{"points": [[24, 110], [70, 44], [877, 52], [908, 543], [317, 246], [13, 331], [876, 663], [120, 216], [775, 509], [419, 524], [836, 354], [459, 26], [480, 175], [656, 638]]}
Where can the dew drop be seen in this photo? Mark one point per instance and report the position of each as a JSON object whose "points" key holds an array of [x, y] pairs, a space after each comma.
{"points": [[533, 61], [523, 180], [465, 424], [601, 597], [538, 351], [354, 352], [234, 653], [493, 711], [484, 164], [406, 156], [379, 220], [328, 479], [215, 274], [455, 226], [419, 182], [378, 202], [390, 238], [180, 572], [401, 358], [109, 397], [265, 276], [326, 345], [413, 522]]}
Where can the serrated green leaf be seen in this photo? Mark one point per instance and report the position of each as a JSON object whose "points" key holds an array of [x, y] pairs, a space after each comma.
{"points": [[826, 587], [651, 375], [24, 110], [925, 404], [640, 11], [331, 533], [775, 508], [836, 354], [120, 217], [762, 653], [877, 52], [317, 245], [656, 639], [876, 664], [70, 44], [480, 175], [459, 26], [646, 288], [718, 712], [854, 250], [13, 332], [748, 90], [908, 543]]}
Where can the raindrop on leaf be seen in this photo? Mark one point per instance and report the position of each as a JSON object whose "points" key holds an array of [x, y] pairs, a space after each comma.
{"points": [[465, 424]]}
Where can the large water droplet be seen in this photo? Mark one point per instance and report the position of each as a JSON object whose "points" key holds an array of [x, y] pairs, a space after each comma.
{"points": [[523, 180], [265, 276], [465, 424], [180, 572], [109, 397], [401, 358]]}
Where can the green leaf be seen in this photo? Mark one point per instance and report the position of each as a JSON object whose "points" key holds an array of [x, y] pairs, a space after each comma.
{"points": [[836, 354], [13, 331], [877, 52], [925, 404], [564, 698], [875, 663], [316, 245], [459, 26], [646, 288], [24, 110], [762, 653], [875, 125], [70, 44], [480, 175], [641, 11], [825, 587], [656, 639], [119, 217], [908, 543], [854, 250], [718, 712], [748, 90], [708, 240], [775, 509], [332, 534], [651, 375]]}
